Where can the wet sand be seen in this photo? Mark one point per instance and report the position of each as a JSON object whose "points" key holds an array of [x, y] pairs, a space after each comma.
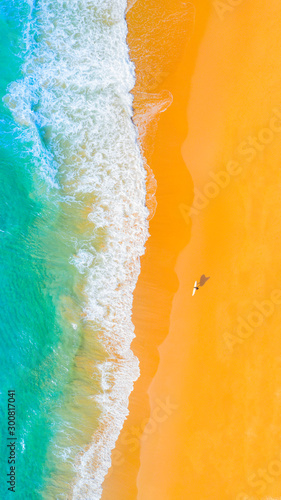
{"points": [[204, 419]]}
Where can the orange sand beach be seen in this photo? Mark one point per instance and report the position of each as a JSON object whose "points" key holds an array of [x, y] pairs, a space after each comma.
{"points": [[204, 417]]}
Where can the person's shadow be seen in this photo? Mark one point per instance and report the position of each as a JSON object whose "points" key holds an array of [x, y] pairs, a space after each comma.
{"points": [[203, 279]]}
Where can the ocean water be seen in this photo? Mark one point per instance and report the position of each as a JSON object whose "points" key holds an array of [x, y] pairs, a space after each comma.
{"points": [[73, 224]]}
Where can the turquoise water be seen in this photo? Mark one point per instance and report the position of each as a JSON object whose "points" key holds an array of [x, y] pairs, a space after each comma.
{"points": [[34, 274], [72, 228]]}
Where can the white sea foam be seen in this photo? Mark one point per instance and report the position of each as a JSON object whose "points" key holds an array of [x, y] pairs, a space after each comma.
{"points": [[74, 100]]}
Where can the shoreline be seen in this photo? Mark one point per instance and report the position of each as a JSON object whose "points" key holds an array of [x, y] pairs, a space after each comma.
{"points": [[157, 282]]}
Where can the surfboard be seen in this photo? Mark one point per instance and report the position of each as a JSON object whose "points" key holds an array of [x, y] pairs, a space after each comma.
{"points": [[194, 289]]}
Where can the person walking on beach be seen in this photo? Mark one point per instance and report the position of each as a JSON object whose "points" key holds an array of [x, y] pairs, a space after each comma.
{"points": [[201, 282]]}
